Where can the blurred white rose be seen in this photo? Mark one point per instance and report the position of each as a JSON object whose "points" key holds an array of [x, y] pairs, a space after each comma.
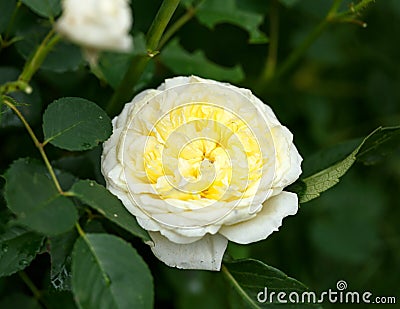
{"points": [[199, 162], [97, 24]]}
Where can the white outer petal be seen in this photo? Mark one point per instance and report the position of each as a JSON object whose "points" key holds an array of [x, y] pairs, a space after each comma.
{"points": [[295, 166], [175, 81], [205, 253], [267, 221], [288, 163], [111, 166]]}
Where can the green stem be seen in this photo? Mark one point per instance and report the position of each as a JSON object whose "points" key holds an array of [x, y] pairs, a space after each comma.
{"points": [[354, 9], [270, 65], [31, 66], [39, 146], [12, 19], [38, 57], [6, 43], [309, 40], [351, 20], [80, 230], [332, 16], [334, 8], [35, 291], [25, 278], [295, 56], [238, 288], [191, 11], [95, 69], [17, 85], [125, 90], [159, 24]]}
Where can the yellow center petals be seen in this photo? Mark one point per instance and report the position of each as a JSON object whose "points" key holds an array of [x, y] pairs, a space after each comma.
{"points": [[199, 152]]}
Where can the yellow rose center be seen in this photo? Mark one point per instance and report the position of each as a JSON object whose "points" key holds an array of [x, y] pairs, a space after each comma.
{"points": [[202, 152]]}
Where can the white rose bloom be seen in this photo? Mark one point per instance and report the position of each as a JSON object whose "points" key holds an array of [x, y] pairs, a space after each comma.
{"points": [[97, 24], [200, 162]]}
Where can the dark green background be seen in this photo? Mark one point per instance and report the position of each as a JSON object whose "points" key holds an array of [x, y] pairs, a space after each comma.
{"points": [[346, 85]]}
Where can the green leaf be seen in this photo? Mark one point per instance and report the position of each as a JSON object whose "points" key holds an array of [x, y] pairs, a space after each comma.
{"points": [[99, 198], [70, 54], [75, 124], [6, 9], [32, 196], [181, 62], [60, 248], [44, 8], [5, 214], [213, 12], [65, 179], [249, 278], [108, 273], [327, 157], [63, 57], [380, 143], [18, 249], [312, 186], [114, 65]]}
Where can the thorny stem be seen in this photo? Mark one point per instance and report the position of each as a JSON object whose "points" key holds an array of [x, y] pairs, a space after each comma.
{"points": [[355, 9], [9, 102]]}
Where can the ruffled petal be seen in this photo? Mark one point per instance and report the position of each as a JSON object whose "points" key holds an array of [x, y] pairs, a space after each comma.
{"points": [[267, 221], [295, 166], [204, 254], [288, 159]]}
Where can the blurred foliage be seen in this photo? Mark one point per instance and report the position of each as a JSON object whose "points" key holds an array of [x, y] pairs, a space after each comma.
{"points": [[343, 87]]}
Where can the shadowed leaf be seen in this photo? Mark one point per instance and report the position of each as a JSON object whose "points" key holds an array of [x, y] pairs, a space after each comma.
{"points": [[108, 273], [75, 124]]}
